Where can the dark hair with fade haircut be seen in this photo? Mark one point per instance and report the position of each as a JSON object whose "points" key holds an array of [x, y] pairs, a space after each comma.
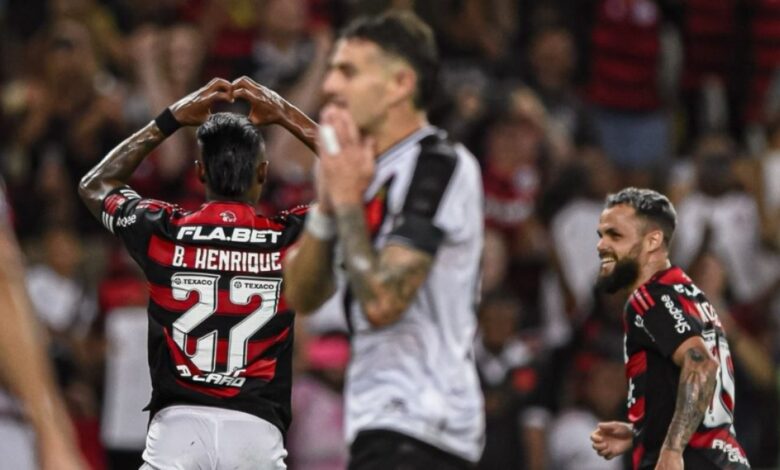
{"points": [[405, 35], [650, 205], [231, 147]]}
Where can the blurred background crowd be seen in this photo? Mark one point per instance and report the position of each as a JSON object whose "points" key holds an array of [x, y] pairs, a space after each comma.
{"points": [[561, 101]]}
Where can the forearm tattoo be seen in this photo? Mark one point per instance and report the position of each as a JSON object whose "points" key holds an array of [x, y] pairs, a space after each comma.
{"points": [[384, 286], [359, 256], [694, 395]]}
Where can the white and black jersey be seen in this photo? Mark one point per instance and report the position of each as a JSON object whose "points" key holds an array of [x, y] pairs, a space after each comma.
{"points": [[418, 376]]}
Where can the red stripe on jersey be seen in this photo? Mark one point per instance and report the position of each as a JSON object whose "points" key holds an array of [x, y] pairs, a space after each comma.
{"points": [[646, 295], [264, 369], [704, 440], [257, 348], [636, 456], [673, 275], [161, 251], [642, 302], [112, 203], [689, 307], [637, 411], [727, 400], [637, 364], [635, 305]]}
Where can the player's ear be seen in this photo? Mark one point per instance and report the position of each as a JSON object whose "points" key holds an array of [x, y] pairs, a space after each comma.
{"points": [[403, 84], [262, 171], [654, 240], [200, 170]]}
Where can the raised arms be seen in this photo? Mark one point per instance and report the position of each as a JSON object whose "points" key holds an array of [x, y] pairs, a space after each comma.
{"points": [[117, 167], [267, 107]]}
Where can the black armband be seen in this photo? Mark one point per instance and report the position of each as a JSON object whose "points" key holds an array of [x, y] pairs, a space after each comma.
{"points": [[167, 122]]}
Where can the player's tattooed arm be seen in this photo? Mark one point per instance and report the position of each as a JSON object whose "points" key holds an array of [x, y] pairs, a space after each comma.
{"points": [[694, 394], [385, 283], [116, 168]]}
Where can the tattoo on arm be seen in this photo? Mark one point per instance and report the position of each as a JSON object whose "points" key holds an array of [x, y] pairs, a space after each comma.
{"points": [[384, 285], [694, 395], [117, 167]]}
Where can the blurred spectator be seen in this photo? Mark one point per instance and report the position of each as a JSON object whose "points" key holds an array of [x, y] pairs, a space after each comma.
{"points": [[316, 436], [599, 390], [168, 63], [104, 34], [710, 78], [68, 116], [553, 59], [121, 332], [721, 217], [764, 177], [625, 58], [290, 55], [584, 185], [763, 59], [495, 262], [511, 370], [63, 303]]}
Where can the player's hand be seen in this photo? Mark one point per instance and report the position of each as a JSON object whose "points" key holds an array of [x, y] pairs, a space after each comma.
{"points": [[267, 107], [670, 460], [612, 439], [195, 108], [346, 158]]}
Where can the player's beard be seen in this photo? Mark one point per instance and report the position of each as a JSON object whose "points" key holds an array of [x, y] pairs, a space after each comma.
{"points": [[624, 274]]}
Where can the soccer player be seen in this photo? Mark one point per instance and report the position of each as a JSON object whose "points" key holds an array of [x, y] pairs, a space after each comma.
{"points": [[25, 370], [220, 333], [681, 378], [400, 208]]}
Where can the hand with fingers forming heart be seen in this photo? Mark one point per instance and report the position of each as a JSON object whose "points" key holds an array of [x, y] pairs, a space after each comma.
{"points": [[195, 108]]}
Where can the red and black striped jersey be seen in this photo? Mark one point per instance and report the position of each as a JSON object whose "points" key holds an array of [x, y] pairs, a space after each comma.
{"points": [[659, 316], [220, 333]]}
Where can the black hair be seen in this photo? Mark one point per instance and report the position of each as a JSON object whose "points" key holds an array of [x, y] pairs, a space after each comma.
{"points": [[650, 205], [405, 35], [231, 147]]}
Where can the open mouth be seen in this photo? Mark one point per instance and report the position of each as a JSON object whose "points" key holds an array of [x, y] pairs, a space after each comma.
{"points": [[608, 262]]}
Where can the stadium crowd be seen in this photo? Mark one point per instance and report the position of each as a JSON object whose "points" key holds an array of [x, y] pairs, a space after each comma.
{"points": [[562, 102]]}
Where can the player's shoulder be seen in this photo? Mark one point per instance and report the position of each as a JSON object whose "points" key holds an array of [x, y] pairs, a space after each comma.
{"points": [[669, 281], [438, 147]]}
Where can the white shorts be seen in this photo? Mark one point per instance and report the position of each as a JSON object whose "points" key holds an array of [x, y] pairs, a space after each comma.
{"points": [[186, 437]]}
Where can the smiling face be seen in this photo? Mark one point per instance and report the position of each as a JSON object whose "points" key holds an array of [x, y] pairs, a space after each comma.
{"points": [[621, 235]]}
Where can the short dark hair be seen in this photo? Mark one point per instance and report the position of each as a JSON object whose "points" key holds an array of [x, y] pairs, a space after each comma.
{"points": [[231, 147], [405, 35], [650, 205]]}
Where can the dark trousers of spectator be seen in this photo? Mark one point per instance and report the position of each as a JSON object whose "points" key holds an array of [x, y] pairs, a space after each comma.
{"points": [[389, 450]]}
